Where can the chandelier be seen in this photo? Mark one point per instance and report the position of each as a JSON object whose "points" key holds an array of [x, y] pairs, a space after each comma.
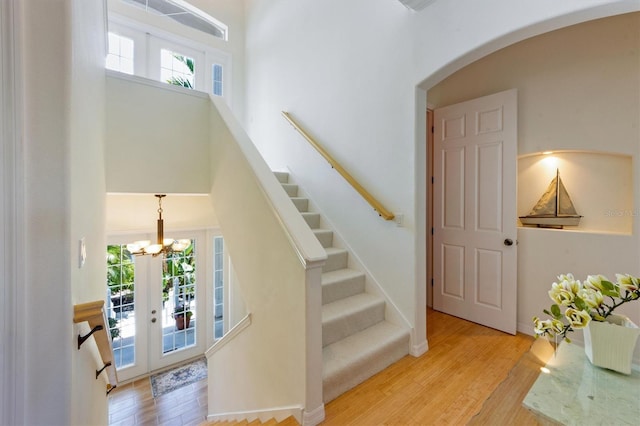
{"points": [[163, 245]]}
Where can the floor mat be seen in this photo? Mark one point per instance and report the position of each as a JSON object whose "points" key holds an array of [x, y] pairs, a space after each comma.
{"points": [[178, 377]]}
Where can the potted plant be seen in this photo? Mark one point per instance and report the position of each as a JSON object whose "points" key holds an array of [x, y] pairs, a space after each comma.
{"points": [[182, 315], [609, 338]]}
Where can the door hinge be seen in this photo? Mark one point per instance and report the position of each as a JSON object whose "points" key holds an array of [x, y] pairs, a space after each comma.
{"points": [[432, 231], [432, 180], [431, 282], [433, 129]]}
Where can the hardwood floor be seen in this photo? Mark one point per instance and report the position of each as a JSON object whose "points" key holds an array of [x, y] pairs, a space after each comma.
{"points": [[133, 404], [447, 385]]}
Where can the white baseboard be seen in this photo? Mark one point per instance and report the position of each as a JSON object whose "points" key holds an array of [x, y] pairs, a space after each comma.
{"points": [[314, 417], [419, 349]]}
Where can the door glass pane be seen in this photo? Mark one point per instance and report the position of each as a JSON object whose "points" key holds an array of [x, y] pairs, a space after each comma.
{"points": [[179, 313], [121, 303], [218, 287]]}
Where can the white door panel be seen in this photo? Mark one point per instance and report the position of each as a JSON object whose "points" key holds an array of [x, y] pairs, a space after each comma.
{"points": [[475, 148]]}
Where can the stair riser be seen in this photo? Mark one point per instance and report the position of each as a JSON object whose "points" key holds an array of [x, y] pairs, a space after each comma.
{"points": [[335, 261], [312, 219], [339, 328], [324, 236], [302, 204], [290, 189], [344, 288], [283, 177]]}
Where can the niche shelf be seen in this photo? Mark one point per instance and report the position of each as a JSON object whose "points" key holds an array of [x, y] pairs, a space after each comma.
{"points": [[94, 314], [600, 185]]}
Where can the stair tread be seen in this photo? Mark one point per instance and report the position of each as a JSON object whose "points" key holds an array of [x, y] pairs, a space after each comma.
{"points": [[321, 230], [334, 250], [339, 275], [289, 421], [356, 349], [349, 305]]}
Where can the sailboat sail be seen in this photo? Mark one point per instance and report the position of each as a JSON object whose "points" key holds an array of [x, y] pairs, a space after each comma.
{"points": [[554, 209]]}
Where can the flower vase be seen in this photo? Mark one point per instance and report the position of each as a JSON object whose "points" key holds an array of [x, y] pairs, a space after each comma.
{"points": [[610, 344]]}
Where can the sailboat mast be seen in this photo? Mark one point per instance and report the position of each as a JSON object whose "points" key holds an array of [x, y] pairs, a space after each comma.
{"points": [[557, 191]]}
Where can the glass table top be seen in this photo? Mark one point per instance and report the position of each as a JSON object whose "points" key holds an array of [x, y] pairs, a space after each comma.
{"points": [[574, 392]]}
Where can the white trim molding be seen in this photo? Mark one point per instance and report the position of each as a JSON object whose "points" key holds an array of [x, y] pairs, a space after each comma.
{"points": [[12, 402], [237, 329]]}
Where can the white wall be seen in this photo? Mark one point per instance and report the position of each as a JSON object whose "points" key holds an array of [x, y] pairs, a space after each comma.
{"points": [[578, 89], [61, 45], [86, 177], [276, 361], [336, 66], [157, 137], [348, 71]]}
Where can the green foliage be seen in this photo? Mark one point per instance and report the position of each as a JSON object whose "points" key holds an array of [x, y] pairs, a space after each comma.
{"points": [[115, 331], [181, 81], [609, 289], [120, 269], [180, 266]]}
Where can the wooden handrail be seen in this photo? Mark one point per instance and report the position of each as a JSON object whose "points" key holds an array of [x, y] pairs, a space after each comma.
{"points": [[377, 206], [94, 314]]}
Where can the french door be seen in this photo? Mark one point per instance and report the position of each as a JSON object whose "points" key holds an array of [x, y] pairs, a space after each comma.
{"points": [[156, 305]]}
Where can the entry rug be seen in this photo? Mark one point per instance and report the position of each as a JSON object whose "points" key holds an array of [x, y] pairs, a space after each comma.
{"points": [[176, 378]]}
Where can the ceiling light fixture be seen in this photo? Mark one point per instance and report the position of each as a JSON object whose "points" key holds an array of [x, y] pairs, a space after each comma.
{"points": [[163, 245]]}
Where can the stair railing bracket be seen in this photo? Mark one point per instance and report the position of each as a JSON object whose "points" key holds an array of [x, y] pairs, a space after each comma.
{"points": [[82, 339]]}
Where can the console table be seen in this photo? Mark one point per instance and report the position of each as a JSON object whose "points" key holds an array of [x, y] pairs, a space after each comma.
{"points": [[574, 392]]}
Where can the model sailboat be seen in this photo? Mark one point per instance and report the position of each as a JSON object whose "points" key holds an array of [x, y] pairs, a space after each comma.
{"points": [[554, 209]]}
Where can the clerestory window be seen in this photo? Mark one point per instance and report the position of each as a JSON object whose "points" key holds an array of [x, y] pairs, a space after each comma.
{"points": [[153, 54], [120, 56]]}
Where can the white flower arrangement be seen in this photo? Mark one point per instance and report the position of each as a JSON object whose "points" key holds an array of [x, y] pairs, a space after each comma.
{"points": [[592, 300]]}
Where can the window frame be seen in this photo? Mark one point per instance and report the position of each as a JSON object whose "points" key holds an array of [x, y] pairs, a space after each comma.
{"points": [[148, 42]]}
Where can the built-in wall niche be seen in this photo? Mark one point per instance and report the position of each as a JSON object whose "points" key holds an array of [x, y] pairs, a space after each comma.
{"points": [[599, 184]]}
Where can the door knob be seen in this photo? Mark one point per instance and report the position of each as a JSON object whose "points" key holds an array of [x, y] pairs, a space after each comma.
{"points": [[508, 242], [153, 320], [153, 312]]}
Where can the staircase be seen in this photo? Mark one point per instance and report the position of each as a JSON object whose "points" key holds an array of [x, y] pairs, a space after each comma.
{"points": [[289, 421], [357, 340]]}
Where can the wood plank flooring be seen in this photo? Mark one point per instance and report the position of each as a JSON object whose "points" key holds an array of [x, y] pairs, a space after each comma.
{"points": [[448, 385]]}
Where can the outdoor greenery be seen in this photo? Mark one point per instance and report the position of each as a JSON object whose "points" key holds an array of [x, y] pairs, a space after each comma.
{"points": [[113, 328], [179, 80], [180, 268], [120, 269]]}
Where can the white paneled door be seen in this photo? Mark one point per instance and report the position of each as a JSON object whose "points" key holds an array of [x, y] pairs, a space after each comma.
{"points": [[475, 252]]}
